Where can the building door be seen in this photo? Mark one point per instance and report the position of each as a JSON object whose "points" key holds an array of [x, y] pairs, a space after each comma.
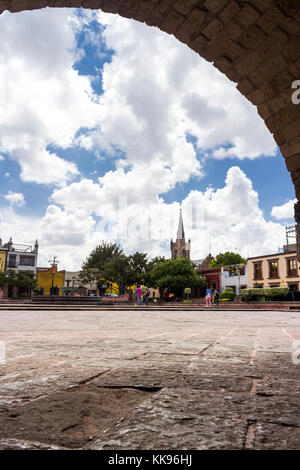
{"points": [[293, 287]]}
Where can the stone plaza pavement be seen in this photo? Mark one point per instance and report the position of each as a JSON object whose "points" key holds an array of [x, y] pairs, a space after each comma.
{"points": [[149, 380]]}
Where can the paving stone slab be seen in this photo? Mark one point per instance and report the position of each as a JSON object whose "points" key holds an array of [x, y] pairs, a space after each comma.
{"points": [[170, 378], [212, 377], [270, 387], [196, 419], [273, 436], [20, 444], [180, 419], [69, 418]]}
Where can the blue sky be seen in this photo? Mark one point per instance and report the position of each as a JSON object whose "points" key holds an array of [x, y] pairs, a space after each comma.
{"points": [[107, 114], [266, 173]]}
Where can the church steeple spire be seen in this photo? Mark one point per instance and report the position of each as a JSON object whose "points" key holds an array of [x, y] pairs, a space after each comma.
{"points": [[180, 231], [180, 249]]}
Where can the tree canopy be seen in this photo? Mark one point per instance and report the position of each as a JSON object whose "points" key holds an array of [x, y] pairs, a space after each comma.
{"points": [[108, 262], [138, 266], [118, 270], [175, 275], [227, 259], [102, 254], [25, 280], [89, 276]]}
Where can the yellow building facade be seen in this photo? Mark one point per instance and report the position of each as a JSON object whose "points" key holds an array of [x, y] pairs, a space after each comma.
{"points": [[2, 260], [44, 280]]}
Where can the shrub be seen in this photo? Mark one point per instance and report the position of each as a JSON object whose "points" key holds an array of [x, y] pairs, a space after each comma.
{"points": [[264, 293], [227, 297], [228, 289], [277, 291]]}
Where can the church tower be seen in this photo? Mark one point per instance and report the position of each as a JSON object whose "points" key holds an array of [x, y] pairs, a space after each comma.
{"points": [[180, 249]]}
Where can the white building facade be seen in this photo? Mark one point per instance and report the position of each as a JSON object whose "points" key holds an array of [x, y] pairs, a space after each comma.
{"points": [[21, 257], [235, 276]]}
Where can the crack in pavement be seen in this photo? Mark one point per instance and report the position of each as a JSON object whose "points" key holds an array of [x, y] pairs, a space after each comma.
{"points": [[142, 388], [250, 434], [91, 378], [214, 343], [254, 350]]}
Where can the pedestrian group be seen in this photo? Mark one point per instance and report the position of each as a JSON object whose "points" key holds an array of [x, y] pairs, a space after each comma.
{"points": [[142, 297]]}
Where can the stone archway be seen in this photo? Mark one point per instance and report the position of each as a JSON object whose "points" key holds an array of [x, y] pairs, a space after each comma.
{"points": [[255, 43]]}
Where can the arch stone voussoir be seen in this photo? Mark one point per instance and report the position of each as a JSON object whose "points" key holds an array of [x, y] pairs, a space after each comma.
{"points": [[254, 43]]}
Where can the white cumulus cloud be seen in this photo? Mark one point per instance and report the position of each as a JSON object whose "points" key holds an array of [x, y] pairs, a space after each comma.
{"points": [[227, 218], [156, 90], [45, 101], [286, 211], [16, 199]]}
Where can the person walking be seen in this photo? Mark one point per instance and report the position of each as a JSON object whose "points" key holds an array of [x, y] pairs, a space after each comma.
{"points": [[208, 297], [216, 297], [147, 297], [139, 294]]}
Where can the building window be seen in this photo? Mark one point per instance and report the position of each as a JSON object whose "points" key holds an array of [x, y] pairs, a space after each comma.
{"points": [[257, 271], [26, 260], [12, 261], [293, 287], [273, 270], [292, 267]]}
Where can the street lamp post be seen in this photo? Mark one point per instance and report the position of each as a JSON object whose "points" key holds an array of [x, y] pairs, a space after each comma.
{"points": [[53, 271], [238, 268]]}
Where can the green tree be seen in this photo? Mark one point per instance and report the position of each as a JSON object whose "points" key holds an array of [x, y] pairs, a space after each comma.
{"points": [[88, 277], [138, 267], [101, 255], [118, 270], [26, 280], [187, 291], [175, 275], [11, 278], [155, 262], [227, 259], [150, 265], [8, 278], [127, 270], [3, 280]]}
